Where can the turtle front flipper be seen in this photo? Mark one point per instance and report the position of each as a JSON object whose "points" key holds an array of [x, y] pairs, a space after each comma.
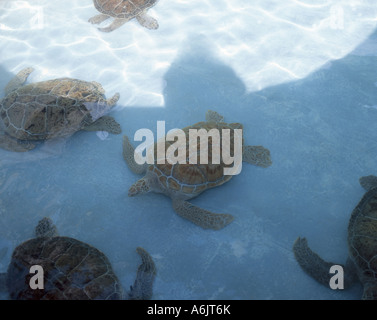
{"points": [[129, 157], [147, 21], [368, 182], [12, 144], [202, 218], [114, 25], [105, 123], [312, 263], [139, 187], [18, 80], [257, 155], [142, 288]]}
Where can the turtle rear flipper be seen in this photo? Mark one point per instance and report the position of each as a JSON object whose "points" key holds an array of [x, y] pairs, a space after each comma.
{"points": [[11, 144], [97, 19], [257, 155], [368, 182], [105, 123], [142, 288], [114, 25], [203, 218], [18, 80], [3, 286]]}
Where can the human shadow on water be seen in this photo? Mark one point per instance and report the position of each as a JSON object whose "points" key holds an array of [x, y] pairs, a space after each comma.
{"points": [[321, 134]]}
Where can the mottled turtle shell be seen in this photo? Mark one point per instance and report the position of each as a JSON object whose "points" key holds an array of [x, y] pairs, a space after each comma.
{"points": [[362, 237], [50, 109], [73, 270], [192, 179], [123, 9]]}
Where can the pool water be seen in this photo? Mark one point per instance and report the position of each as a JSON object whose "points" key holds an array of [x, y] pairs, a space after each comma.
{"points": [[299, 75]]}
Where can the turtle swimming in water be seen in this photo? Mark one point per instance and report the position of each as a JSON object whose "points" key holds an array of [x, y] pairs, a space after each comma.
{"points": [[52, 109], [362, 246], [72, 270], [184, 181], [123, 11]]}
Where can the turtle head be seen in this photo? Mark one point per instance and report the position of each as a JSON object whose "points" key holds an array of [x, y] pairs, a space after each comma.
{"points": [[46, 228], [139, 187], [368, 182]]}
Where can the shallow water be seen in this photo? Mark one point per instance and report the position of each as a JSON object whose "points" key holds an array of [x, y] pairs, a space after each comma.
{"points": [[301, 78]]}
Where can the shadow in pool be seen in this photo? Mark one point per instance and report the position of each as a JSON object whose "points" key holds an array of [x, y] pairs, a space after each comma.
{"points": [[321, 134]]}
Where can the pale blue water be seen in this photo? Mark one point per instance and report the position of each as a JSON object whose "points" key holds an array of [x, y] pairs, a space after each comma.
{"points": [[301, 77]]}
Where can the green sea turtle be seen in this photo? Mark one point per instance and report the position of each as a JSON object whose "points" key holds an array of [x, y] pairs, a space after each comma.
{"points": [[52, 109], [72, 270], [123, 11], [184, 181], [362, 245]]}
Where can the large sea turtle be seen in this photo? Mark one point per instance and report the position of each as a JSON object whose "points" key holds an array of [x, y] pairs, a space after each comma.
{"points": [[362, 245], [182, 182], [123, 11], [72, 270], [52, 109]]}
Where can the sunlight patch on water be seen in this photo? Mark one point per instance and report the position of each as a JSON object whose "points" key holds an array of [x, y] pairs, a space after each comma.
{"points": [[265, 42]]}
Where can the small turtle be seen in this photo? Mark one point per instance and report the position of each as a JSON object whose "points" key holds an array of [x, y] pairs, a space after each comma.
{"points": [[52, 109], [123, 11], [183, 181], [362, 245], [72, 270]]}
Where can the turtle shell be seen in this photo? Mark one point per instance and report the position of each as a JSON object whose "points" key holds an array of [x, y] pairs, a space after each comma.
{"points": [[72, 270], [50, 109], [192, 179], [362, 237], [123, 9]]}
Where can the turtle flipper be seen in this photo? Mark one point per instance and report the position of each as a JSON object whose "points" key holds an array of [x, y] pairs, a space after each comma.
{"points": [[3, 286], [368, 182], [147, 21], [113, 100], [18, 80], [142, 288], [98, 18], [202, 218], [105, 123], [214, 116], [311, 262], [12, 144], [128, 155], [370, 292], [114, 25], [257, 155]]}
